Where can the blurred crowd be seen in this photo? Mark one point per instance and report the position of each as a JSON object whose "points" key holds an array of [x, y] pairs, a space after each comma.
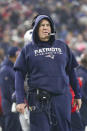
{"points": [[69, 16]]}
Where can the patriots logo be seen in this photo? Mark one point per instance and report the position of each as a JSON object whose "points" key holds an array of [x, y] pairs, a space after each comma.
{"points": [[50, 56]]}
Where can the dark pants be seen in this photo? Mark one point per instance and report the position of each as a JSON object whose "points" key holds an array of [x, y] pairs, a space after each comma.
{"points": [[12, 122], [76, 122], [60, 115]]}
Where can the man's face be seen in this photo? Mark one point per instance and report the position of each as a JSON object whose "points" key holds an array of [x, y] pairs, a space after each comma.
{"points": [[44, 30]]}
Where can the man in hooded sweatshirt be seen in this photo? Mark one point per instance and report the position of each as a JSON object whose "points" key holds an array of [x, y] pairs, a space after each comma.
{"points": [[50, 66]]}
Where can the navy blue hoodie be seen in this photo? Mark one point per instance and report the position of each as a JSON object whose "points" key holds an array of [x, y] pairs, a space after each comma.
{"points": [[50, 65]]}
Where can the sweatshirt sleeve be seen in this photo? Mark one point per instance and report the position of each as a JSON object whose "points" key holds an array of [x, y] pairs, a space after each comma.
{"points": [[19, 87], [70, 69], [20, 64], [74, 83], [20, 68]]}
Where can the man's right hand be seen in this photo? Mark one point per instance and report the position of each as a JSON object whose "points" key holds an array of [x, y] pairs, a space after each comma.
{"points": [[20, 107]]}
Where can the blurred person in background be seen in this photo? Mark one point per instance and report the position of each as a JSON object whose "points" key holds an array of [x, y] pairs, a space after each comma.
{"points": [[82, 73], [50, 67], [7, 86], [28, 36]]}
